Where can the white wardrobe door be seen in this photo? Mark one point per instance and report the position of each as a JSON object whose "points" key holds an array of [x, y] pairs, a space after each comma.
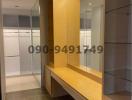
{"points": [[36, 57], [11, 46], [12, 66], [25, 56]]}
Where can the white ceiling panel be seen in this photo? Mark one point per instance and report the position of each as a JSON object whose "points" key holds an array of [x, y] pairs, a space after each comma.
{"points": [[89, 4], [18, 4]]}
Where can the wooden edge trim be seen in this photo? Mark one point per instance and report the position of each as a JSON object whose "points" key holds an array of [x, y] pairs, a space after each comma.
{"points": [[86, 73]]}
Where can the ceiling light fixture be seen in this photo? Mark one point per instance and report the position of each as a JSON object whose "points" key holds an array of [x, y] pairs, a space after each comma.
{"points": [[17, 6], [90, 4]]}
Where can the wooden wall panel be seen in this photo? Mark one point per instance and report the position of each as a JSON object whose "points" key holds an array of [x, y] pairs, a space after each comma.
{"points": [[60, 22], [66, 24], [46, 34], [60, 26], [73, 30], [51, 33]]}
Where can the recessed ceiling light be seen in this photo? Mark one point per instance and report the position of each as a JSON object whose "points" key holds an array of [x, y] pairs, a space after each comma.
{"points": [[39, 9], [17, 6], [90, 4]]}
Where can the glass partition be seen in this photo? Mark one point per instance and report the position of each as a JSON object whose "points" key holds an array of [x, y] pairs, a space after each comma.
{"points": [[17, 58], [35, 37]]}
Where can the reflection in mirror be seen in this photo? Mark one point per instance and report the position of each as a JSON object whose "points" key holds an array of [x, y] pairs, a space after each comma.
{"points": [[91, 33]]}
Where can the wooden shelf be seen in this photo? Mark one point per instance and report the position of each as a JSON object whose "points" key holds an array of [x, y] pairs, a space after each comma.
{"points": [[77, 84]]}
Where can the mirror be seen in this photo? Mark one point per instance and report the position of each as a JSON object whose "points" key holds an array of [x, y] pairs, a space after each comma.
{"points": [[91, 36]]}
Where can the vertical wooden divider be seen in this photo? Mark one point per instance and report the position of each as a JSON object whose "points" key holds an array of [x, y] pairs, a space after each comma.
{"points": [[66, 20]]}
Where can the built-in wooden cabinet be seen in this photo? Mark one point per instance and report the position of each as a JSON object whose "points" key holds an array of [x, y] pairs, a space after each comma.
{"points": [[60, 21], [60, 26], [63, 19]]}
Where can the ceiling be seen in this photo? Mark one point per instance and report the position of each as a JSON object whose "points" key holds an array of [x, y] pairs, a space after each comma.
{"points": [[89, 4], [28, 4], [18, 4]]}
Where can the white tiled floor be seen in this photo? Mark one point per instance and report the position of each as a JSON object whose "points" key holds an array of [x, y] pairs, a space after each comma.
{"points": [[38, 77], [20, 83]]}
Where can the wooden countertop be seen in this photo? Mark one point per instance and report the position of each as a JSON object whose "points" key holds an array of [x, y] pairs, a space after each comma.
{"points": [[85, 86]]}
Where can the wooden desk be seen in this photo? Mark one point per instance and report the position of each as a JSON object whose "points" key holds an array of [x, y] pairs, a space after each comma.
{"points": [[76, 84]]}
